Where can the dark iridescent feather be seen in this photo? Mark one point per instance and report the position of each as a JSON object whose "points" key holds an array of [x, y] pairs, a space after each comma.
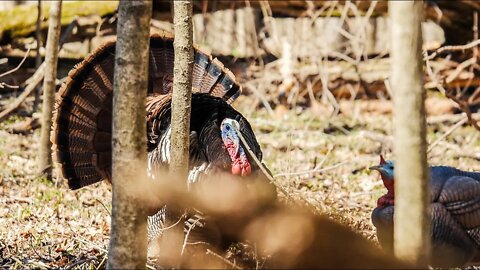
{"points": [[455, 216]]}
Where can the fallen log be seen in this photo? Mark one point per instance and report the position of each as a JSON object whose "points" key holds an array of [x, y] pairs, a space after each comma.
{"points": [[455, 17]]}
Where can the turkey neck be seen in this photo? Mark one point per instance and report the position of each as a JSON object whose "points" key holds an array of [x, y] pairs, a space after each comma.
{"points": [[390, 185], [212, 144]]}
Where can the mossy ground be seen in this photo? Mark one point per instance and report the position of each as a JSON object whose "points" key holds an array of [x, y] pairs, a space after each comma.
{"points": [[21, 20]]}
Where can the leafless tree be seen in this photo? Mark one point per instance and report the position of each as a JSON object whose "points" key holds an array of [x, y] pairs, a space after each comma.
{"points": [[182, 86], [38, 57], [128, 236], [411, 220], [51, 59], [181, 106]]}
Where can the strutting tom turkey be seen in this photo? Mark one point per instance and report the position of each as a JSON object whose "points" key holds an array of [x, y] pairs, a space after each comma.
{"points": [[83, 122], [454, 212]]}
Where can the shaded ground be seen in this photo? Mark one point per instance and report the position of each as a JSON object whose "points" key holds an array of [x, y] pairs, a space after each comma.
{"points": [[322, 159]]}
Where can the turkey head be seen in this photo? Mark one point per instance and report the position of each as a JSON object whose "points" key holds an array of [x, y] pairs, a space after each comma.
{"points": [[386, 170], [454, 212], [240, 163]]}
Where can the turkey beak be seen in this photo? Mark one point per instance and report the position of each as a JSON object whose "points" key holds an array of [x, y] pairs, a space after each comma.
{"points": [[376, 168]]}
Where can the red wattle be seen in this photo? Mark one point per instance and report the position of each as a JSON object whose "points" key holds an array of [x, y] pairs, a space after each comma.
{"points": [[386, 200], [389, 184], [246, 170], [236, 169]]}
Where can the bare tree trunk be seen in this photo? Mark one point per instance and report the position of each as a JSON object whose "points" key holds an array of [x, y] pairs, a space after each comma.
{"points": [[128, 236], [411, 220], [182, 86], [51, 59], [38, 57], [181, 108]]}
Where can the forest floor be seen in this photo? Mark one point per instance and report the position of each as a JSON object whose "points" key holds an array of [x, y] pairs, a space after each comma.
{"points": [[320, 158]]}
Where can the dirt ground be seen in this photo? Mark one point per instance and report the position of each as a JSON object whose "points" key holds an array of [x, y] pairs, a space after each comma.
{"points": [[321, 158]]}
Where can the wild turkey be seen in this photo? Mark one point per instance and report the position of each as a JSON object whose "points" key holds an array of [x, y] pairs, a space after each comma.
{"points": [[454, 212], [83, 122]]}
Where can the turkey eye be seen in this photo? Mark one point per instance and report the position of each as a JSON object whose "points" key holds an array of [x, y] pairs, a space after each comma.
{"points": [[227, 127]]}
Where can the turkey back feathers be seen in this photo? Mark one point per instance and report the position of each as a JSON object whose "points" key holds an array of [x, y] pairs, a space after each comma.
{"points": [[82, 125]]}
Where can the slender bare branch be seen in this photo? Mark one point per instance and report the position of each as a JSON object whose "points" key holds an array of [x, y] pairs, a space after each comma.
{"points": [[467, 46], [18, 66]]}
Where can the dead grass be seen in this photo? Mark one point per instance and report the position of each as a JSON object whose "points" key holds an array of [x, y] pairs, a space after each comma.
{"points": [[45, 225]]}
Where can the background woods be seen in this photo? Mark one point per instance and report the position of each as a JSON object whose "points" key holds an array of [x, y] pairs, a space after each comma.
{"points": [[341, 50], [323, 93]]}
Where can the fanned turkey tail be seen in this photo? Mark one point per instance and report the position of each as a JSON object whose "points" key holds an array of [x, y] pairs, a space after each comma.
{"points": [[82, 127]]}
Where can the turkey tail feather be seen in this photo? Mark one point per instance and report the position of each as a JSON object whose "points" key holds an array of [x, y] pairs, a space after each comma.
{"points": [[83, 116], [82, 127]]}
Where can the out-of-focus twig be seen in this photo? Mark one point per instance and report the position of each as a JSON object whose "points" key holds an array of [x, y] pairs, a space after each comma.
{"points": [[271, 178], [465, 106], [449, 118], [433, 77], [185, 240], [460, 68], [18, 66], [234, 266], [475, 33], [35, 79], [80, 262], [261, 97], [3, 85], [448, 132], [313, 171], [467, 46]]}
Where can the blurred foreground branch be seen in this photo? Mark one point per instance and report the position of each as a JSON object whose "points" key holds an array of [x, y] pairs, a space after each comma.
{"points": [[18, 66], [291, 237]]}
